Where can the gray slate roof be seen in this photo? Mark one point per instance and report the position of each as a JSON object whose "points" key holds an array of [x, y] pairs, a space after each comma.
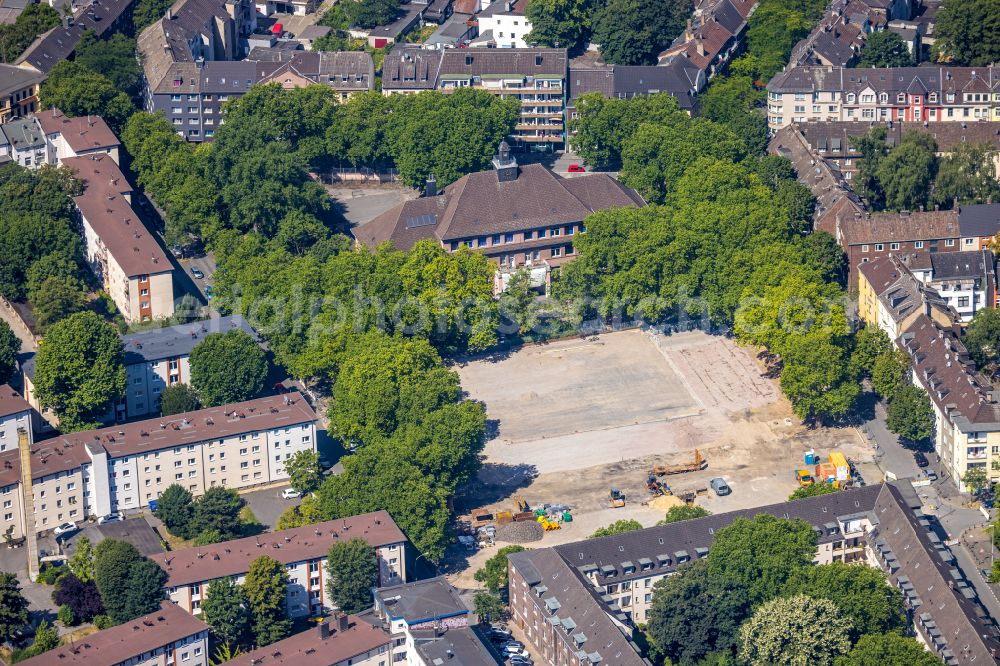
{"points": [[173, 341], [952, 265], [23, 133], [457, 647], [420, 601], [13, 78], [59, 43], [979, 220]]}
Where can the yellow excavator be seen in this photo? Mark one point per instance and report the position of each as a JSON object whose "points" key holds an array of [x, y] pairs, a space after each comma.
{"points": [[616, 499]]}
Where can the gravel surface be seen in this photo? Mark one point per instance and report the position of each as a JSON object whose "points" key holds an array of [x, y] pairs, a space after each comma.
{"points": [[523, 532]]}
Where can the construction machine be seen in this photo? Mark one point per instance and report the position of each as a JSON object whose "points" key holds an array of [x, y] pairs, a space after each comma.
{"points": [[522, 505], [616, 499], [656, 487], [804, 477], [699, 463]]}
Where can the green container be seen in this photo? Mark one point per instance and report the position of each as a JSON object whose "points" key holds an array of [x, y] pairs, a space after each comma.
{"points": [[539, 512], [567, 517]]}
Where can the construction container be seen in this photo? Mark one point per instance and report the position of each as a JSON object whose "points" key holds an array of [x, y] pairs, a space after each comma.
{"points": [[811, 457], [838, 460], [567, 517], [825, 473], [503, 517], [523, 516]]}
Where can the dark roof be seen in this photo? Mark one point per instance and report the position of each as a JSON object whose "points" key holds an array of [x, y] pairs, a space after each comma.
{"points": [[499, 62], [690, 535], [125, 641], [899, 227], [729, 17], [178, 340], [59, 43], [23, 133], [952, 265], [411, 68], [313, 648], [457, 647], [407, 16], [136, 531], [551, 578], [479, 204], [979, 220], [833, 138], [13, 78], [231, 558], [421, 601], [588, 79], [899, 291], [11, 401], [505, 8]]}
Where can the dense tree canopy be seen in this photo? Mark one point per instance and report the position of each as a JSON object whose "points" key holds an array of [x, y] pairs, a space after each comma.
{"points": [[891, 648], [177, 399], [684, 512], [228, 367], [910, 414], [265, 590], [982, 338], [82, 598], [885, 49], [634, 32], [225, 610], [493, 573], [113, 58], [967, 32], [13, 607], [35, 19], [617, 527], [796, 630], [352, 572], [80, 370], [10, 347], [77, 90], [130, 584], [967, 175]]}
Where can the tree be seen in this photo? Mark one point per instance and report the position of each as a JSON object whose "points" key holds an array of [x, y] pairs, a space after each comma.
{"points": [[13, 607], [890, 372], [795, 630], [77, 90], [175, 507], [113, 58], [676, 514], [910, 414], [873, 149], [976, 479], [352, 572], [82, 561], [633, 32], [228, 367], [80, 370], [817, 378], [32, 22], [225, 651], [130, 584], [812, 490], [82, 598], [265, 589], [760, 554], [517, 301], [890, 648], [304, 472], [46, 638], [559, 23], [225, 610], [967, 176], [692, 615], [10, 347], [906, 173], [488, 606], [56, 298], [861, 593], [494, 571], [65, 615], [885, 49], [370, 13], [965, 32], [869, 344], [178, 399], [982, 338], [617, 527], [219, 510]]}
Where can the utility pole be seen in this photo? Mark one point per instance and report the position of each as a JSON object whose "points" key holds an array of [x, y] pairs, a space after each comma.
{"points": [[28, 502]]}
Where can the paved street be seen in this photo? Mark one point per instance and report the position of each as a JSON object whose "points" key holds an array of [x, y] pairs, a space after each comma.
{"points": [[27, 341]]}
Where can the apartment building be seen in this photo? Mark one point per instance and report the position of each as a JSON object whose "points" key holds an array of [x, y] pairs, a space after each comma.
{"points": [[678, 78], [429, 625], [517, 216], [15, 414], [346, 640], [22, 142], [536, 77], [167, 637], [909, 94], [966, 281], [503, 25], [76, 137], [125, 467], [579, 603], [302, 550], [18, 91], [346, 72], [714, 35], [926, 328], [126, 258], [102, 17]]}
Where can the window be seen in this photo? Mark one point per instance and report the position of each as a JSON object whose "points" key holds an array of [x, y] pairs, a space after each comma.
{"points": [[949, 242], [969, 241], [893, 246], [879, 247], [864, 248], [963, 301], [919, 245]]}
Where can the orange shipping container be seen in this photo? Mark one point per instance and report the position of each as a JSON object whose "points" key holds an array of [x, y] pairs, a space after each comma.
{"points": [[825, 471]]}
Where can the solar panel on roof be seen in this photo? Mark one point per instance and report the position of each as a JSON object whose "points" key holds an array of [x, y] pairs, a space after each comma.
{"points": [[420, 221]]}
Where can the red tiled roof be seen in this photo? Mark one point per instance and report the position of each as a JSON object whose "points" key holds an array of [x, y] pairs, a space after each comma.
{"points": [[81, 134], [11, 401], [312, 648]]}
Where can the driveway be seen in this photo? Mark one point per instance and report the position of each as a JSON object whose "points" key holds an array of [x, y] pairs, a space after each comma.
{"points": [[27, 340], [268, 505]]}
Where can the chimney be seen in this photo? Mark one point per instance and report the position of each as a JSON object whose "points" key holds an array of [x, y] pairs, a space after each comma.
{"points": [[688, 33], [170, 14], [430, 187], [505, 164], [342, 621], [324, 631], [700, 47]]}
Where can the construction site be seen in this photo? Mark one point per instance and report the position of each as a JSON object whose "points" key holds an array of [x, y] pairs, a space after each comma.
{"points": [[626, 425]]}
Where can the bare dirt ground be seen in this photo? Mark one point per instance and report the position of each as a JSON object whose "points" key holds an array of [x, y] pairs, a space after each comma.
{"points": [[576, 418]]}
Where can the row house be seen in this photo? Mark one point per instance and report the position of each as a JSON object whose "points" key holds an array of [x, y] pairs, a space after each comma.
{"points": [[580, 603], [926, 327], [516, 216], [166, 637], [678, 78], [126, 467], [154, 360], [49, 137], [713, 37], [302, 550], [346, 640], [429, 625], [18, 91], [101, 17], [910, 94], [966, 281], [536, 77]]}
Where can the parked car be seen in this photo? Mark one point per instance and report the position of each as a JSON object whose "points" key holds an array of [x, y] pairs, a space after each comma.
{"points": [[515, 651], [65, 528], [576, 168], [920, 459], [720, 486], [111, 518], [498, 632], [290, 493], [985, 573], [517, 660], [177, 251], [932, 475], [196, 272], [209, 291], [512, 645]]}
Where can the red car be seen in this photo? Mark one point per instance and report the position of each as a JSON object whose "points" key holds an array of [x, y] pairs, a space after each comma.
{"points": [[576, 168]]}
